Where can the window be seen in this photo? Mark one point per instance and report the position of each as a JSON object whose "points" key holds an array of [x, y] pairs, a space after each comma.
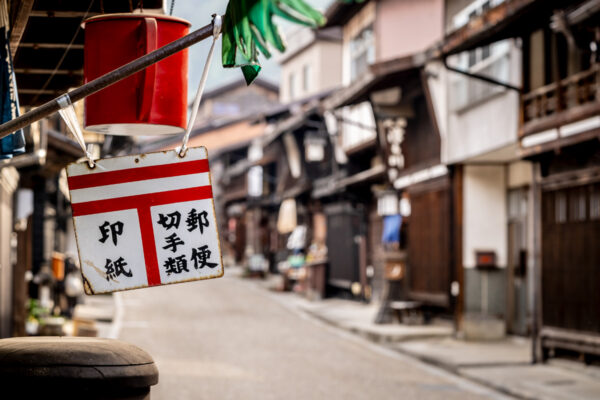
{"points": [[362, 52], [358, 125], [474, 9], [577, 205], [517, 204], [560, 207], [491, 60], [595, 202], [306, 78]]}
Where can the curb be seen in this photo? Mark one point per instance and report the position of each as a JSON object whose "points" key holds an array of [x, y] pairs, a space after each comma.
{"points": [[375, 337], [452, 369], [456, 370]]}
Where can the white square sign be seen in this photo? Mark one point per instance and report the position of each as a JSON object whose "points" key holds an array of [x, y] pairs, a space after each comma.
{"points": [[145, 220]]}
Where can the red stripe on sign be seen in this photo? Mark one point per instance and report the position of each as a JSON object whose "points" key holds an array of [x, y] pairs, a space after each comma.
{"points": [[137, 174], [149, 245], [141, 200]]}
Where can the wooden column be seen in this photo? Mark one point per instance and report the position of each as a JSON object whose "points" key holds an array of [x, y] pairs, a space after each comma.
{"points": [[19, 15], [536, 276], [456, 243], [19, 285], [9, 178]]}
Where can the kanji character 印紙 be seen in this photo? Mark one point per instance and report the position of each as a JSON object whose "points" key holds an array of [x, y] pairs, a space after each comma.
{"points": [[115, 230], [116, 268]]}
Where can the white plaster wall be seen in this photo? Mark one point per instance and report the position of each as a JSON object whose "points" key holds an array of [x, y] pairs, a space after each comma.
{"points": [[484, 128], [330, 66], [405, 27], [436, 82], [310, 55], [487, 125], [484, 212], [325, 61]]}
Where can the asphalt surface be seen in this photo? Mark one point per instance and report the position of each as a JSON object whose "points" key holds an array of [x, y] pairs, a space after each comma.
{"points": [[230, 339]]}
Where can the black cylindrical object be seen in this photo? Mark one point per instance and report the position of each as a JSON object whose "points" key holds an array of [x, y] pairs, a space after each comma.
{"points": [[75, 368]]}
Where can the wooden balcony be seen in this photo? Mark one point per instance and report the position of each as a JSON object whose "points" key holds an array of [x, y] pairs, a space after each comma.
{"points": [[572, 99]]}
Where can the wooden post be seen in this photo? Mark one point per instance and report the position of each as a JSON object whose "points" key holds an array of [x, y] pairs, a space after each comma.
{"points": [[362, 256], [536, 296], [19, 284], [456, 235]]}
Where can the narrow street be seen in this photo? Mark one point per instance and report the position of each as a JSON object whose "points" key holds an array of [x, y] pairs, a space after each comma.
{"points": [[230, 339]]}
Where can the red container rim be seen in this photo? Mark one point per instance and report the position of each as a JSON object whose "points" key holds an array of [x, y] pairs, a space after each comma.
{"points": [[119, 16]]}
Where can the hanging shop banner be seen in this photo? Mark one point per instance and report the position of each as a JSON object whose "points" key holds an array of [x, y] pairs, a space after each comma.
{"points": [[145, 220]]}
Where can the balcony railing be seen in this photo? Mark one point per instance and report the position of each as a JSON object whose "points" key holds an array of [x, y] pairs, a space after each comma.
{"points": [[562, 102]]}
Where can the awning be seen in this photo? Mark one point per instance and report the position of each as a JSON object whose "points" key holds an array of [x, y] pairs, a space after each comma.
{"points": [[300, 110], [510, 19], [379, 77], [334, 185], [339, 12]]}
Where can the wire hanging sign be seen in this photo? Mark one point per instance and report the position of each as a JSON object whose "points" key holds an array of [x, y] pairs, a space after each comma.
{"points": [[147, 220], [248, 29]]}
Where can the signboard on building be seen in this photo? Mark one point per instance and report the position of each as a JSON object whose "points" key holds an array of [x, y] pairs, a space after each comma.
{"points": [[145, 220]]}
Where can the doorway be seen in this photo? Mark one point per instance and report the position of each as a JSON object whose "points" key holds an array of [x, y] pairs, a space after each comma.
{"points": [[517, 315]]}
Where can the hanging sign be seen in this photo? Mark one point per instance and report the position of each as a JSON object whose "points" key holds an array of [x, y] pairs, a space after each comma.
{"points": [[145, 220]]}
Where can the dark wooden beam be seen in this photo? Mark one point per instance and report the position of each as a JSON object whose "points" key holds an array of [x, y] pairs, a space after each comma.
{"points": [[61, 14], [38, 91], [48, 71], [53, 30], [104, 7], [488, 27], [73, 46], [556, 120], [19, 12], [36, 81], [49, 58]]}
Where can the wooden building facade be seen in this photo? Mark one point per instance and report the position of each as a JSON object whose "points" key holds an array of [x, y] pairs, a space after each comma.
{"points": [[558, 133]]}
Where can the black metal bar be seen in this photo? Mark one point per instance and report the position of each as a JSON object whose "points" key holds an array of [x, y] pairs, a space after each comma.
{"points": [[106, 80], [480, 77]]}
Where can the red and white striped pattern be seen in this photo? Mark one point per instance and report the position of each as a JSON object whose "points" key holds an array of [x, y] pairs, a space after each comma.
{"points": [[138, 183]]}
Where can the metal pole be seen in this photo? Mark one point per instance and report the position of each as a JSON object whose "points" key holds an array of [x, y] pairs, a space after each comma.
{"points": [[106, 80], [482, 78]]}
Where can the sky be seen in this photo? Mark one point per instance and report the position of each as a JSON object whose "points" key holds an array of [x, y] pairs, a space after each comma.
{"points": [[199, 12]]}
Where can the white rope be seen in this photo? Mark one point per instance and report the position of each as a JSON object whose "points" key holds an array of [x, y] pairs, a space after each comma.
{"points": [[217, 22], [67, 112]]}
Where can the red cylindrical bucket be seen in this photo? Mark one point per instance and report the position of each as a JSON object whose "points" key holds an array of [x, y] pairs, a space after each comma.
{"points": [[153, 101]]}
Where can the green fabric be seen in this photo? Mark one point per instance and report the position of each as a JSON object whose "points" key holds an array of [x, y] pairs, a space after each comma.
{"points": [[249, 29]]}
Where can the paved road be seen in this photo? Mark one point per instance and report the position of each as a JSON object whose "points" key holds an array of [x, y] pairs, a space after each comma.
{"points": [[229, 339]]}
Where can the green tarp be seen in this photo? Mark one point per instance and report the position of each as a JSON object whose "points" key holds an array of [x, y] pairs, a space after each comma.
{"points": [[249, 29]]}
